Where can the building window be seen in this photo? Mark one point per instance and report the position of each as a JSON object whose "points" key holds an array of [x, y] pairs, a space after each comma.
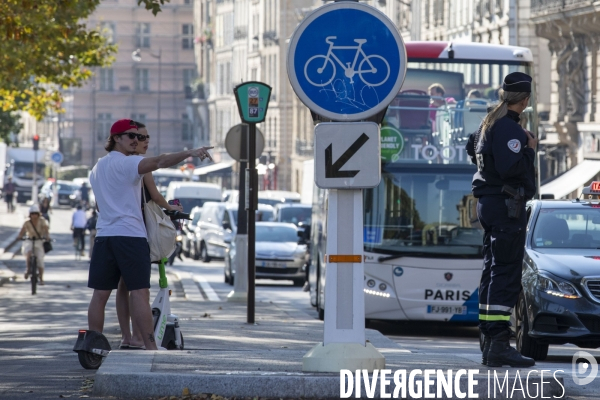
{"points": [[139, 118], [108, 30], [187, 1], [186, 128], [141, 80], [187, 36], [220, 78], [103, 123], [189, 76], [219, 130], [143, 35], [106, 79], [228, 87]]}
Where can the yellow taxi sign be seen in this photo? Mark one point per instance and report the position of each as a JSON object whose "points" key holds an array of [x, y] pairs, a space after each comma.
{"points": [[345, 258]]}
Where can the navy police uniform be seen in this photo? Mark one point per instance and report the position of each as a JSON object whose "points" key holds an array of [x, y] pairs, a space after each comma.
{"points": [[502, 158]]}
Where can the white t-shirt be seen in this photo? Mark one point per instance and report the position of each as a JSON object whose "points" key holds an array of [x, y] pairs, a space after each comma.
{"points": [[118, 190], [79, 219]]}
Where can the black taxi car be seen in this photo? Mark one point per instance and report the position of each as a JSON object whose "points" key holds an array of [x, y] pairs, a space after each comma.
{"points": [[560, 300]]}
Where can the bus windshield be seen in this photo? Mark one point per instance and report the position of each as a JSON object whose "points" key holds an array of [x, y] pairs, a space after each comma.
{"points": [[423, 213], [425, 125]]}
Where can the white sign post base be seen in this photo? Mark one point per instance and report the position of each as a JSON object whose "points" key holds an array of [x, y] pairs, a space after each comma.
{"points": [[240, 263], [344, 345]]}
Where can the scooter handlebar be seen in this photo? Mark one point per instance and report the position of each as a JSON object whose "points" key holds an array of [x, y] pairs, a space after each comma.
{"points": [[175, 214]]}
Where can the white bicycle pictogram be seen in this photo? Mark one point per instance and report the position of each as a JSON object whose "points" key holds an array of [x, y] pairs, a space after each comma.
{"points": [[369, 65]]}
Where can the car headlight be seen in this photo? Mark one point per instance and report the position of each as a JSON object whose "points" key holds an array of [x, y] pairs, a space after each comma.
{"points": [[556, 287]]}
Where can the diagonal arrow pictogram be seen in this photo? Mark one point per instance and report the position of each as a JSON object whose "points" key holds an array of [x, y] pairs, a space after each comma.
{"points": [[332, 170]]}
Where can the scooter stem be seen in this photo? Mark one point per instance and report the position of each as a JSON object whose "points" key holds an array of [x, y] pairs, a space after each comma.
{"points": [[162, 280]]}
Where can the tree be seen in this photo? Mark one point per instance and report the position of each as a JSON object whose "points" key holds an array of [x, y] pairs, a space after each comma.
{"points": [[45, 47], [10, 122]]}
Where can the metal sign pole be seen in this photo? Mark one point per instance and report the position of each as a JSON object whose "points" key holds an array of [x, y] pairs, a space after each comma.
{"points": [[253, 101], [252, 195], [347, 159]]}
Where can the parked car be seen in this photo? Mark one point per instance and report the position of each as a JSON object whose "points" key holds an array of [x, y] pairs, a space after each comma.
{"points": [[193, 194], [560, 300], [273, 197], [280, 253], [188, 230], [218, 225]]}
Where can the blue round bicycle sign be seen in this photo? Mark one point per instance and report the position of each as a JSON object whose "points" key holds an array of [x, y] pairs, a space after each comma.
{"points": [[346, 61]]}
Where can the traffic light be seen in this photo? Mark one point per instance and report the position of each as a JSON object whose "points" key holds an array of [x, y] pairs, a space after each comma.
{"points": [[36, 142]]}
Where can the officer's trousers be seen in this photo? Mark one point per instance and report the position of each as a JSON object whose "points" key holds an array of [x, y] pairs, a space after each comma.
{"points": [[503, 250]]}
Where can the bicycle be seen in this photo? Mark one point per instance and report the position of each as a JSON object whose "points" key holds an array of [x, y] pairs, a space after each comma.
{"points": [[33, 265], [349, 68]]}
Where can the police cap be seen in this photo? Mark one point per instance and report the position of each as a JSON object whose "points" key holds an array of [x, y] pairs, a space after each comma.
{"points": [[517, 82]]}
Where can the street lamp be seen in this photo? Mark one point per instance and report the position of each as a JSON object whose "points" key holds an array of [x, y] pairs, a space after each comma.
{"points": [[137, 57]]}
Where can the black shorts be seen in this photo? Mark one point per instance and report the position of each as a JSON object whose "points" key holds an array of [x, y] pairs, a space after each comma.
{"points": [[116, 256]]}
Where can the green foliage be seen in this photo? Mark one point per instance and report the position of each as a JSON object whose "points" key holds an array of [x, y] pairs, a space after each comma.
{"points": [[10, 122], [45, 46], [153, 5]]}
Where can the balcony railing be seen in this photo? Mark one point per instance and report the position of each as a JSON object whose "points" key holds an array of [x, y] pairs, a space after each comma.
{"points": [[552, 6], [304, 147]]}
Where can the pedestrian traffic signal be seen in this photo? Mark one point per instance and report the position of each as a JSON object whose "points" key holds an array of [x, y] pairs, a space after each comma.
{"points": [[36, 142]]}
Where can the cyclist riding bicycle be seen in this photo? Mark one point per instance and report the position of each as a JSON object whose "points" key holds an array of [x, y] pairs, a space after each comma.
{"points": [[78, 225], [35, 227]]}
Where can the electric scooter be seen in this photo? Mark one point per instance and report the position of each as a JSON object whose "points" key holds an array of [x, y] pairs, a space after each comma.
{"points": [[92, 347]]}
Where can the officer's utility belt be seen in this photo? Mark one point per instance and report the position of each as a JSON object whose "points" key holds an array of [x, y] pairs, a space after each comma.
{"points": [[515, 202]]}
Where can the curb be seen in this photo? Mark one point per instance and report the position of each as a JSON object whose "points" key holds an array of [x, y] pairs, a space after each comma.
{"points": [[6, 275], [115, 378]]}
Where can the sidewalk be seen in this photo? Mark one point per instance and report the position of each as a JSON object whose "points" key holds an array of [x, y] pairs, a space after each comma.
{"points": [[9, 228], [225, 356]]}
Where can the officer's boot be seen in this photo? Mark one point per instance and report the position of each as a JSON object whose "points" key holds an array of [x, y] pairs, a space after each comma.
{"points": [[487, 340], [501, 353]]}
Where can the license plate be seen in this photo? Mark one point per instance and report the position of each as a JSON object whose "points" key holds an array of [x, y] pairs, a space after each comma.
{"points": [[273, 264], [461, 310]]}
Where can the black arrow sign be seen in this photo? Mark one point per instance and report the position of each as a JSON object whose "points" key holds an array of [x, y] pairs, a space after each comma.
{"points": [[332, 169]]}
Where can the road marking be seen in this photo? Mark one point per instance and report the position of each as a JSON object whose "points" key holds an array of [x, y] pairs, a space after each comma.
{"points": [[189, 287], [206, 288]]}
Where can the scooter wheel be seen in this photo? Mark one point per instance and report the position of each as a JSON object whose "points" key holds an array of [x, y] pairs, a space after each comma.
{"points": [[89, 360], [172, 346]]}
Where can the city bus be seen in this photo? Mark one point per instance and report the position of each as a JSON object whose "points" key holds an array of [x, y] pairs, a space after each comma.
{"points": [[422, 238]]}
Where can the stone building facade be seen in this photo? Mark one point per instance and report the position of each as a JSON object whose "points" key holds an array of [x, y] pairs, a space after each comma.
{"points": [[150, 86], [242, 41], [573, 130]]}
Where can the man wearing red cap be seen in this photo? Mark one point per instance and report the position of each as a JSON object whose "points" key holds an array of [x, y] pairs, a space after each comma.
{"points": [[121, 246]]}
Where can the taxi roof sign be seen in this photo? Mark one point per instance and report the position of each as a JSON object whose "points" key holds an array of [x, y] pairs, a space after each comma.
{"points": [[594, 188]]}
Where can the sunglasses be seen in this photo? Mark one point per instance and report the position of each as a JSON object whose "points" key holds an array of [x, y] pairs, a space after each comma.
{"points": [[132, 136]]}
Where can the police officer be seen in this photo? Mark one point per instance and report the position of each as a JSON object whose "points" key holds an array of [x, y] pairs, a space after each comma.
{"points": [[504, 153]]}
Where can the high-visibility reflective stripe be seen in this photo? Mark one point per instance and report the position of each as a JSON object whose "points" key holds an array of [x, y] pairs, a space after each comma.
{"points": [[490, 307], [484, 317]]}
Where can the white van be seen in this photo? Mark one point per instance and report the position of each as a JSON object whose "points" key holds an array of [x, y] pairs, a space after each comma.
{"points": [[193, 194]]}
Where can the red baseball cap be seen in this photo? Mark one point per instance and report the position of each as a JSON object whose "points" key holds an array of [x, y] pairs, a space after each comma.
{"points": [[122, 125]]}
